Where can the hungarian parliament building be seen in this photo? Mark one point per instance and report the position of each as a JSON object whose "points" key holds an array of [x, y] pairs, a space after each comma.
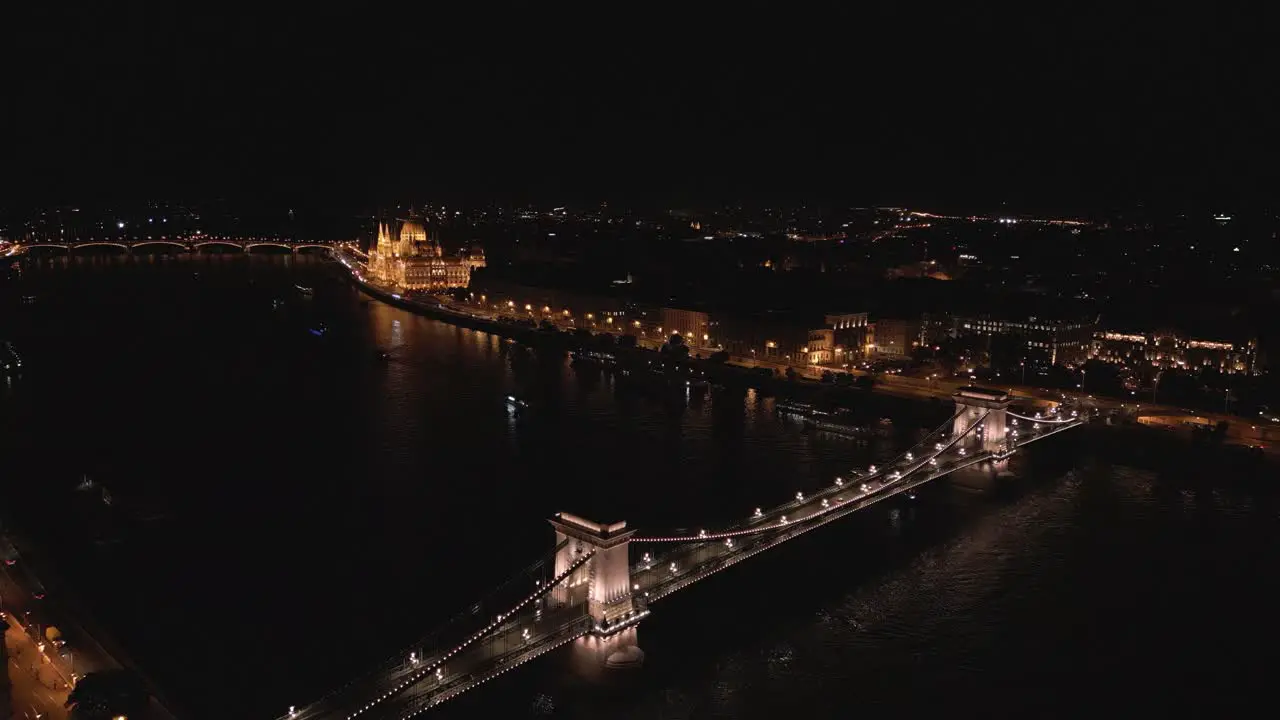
{"points": [[406, 257]]}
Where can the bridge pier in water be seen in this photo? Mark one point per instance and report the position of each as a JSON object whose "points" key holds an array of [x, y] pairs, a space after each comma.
{"points": [[612, 641]]}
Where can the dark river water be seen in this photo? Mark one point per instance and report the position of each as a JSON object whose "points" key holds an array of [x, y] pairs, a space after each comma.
{"points": [[287, 510]]}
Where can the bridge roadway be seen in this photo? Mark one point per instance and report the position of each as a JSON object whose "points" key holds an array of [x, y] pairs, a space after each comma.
{"points": [[423, 683], [190, 245], [657, 576], [545, 619], [430, 665], [498, 654]]}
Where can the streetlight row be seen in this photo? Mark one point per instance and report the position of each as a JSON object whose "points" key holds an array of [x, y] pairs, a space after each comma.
{"points": [[541, 590], [839, 482], [449, 695]]}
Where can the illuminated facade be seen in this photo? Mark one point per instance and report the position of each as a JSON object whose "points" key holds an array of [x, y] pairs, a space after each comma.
{"points": [[693, 325], [1166, 350], [473, 257], [893, 338], [1119, 348], [850, 332], [408, 258], [821, 349], [1224, 357], [1062, 342]]}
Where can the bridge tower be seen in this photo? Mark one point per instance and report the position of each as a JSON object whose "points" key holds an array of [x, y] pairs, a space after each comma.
{"points": [[971, 403], [607, 576], [607, 573]]}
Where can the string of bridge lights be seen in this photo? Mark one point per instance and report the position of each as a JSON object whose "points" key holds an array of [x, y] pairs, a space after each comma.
{"points": [[703, 535], [1038, 419], [795, 530], [393, 664], [825, 508], [437, 665], [458, 691], [795, 527], [873, 473]]}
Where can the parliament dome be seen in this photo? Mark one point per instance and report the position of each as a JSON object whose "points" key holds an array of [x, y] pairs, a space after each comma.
{"points": [[413, 232]]}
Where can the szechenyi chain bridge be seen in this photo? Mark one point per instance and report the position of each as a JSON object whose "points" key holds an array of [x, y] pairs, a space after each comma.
{"points": [[600, 580]]}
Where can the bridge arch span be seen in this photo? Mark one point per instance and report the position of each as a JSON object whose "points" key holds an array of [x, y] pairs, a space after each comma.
{"points": [[224, 243], [249, 246], [103, 243], [174, 243]]}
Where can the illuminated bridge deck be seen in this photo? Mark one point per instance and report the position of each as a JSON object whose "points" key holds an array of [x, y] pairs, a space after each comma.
{"points": [[540, 612]]}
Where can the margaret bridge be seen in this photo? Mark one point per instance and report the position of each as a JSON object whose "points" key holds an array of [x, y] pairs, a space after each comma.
{"points": [[185, 244], [599, 581]]}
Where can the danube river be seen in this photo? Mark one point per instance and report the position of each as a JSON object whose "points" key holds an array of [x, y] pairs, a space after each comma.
{"points": [[288, 508]]}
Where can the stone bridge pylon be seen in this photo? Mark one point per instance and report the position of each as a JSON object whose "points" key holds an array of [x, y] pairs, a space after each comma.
{"points": [[607, 575]]}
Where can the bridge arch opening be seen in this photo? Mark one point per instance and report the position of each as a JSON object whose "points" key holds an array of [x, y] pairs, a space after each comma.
{"points": [[159, 246], [272, 248], [217, 246], [98, 247]]}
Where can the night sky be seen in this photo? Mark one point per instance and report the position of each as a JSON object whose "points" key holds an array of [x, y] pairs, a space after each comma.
{"points": [[1068, 108]]}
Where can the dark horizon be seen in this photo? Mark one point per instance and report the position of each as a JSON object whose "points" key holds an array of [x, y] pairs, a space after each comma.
{"points": [[1070, 112]]}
